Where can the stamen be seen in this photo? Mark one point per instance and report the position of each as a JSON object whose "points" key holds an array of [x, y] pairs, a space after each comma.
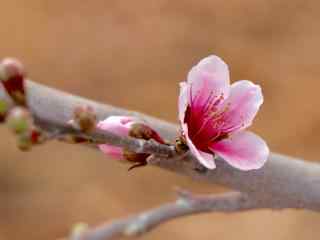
{"points": [[219, 114], [234, 127], [215, 116], [209, 102], [201, 128], [215, 102], [215, 137]]}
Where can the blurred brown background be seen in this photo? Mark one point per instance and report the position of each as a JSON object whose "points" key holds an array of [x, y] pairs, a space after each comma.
{"points": [[133, 54]]}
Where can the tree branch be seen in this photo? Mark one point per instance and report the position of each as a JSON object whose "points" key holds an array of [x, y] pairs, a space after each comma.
{"points": [[283, 182], [184, 206]]}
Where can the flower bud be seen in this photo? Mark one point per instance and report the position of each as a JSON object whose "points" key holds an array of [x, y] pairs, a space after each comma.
{"points": [[19, 120], [12, 76], [142, 131], [127, 126], [24, 142], [85, 118], [3, 110], [118, 125]]}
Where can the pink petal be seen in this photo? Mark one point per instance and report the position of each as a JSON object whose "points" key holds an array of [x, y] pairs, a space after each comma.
{"points": [[119, 125], [242, 105], [243, 150], [114, 152], [206, 159], [183, 100], [208, 79]]}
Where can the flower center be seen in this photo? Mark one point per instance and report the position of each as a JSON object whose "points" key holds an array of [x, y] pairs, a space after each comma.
{"points": [[207, 122]]}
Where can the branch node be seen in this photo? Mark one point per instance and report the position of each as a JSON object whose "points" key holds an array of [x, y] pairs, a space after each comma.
{"points": [[84, 118], [137, 227], [183, 202], [183, 194]]}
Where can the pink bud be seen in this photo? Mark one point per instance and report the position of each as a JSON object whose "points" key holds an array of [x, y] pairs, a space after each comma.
{"points": [[127, 126], [12, 75], [10, 68]]}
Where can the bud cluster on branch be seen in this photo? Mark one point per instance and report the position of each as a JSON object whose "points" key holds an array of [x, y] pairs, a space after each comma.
{"points": [[19, 119]]}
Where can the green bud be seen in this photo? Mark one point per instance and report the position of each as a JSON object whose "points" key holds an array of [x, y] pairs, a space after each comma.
{"points": [[19, 120], [24, 142], [3, 107]]}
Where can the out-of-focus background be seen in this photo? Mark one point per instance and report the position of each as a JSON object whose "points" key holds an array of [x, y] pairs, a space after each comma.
{"points": [[133, 54]]}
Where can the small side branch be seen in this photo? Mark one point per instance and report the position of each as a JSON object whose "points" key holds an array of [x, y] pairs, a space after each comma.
{"points": [[184, 206]]}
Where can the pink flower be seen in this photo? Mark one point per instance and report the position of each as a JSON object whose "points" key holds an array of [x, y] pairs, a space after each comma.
{"points": [[127, 126], [214, 115]]}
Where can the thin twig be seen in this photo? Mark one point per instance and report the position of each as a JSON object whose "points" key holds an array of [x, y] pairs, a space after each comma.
{"points": [[184, 206]]}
